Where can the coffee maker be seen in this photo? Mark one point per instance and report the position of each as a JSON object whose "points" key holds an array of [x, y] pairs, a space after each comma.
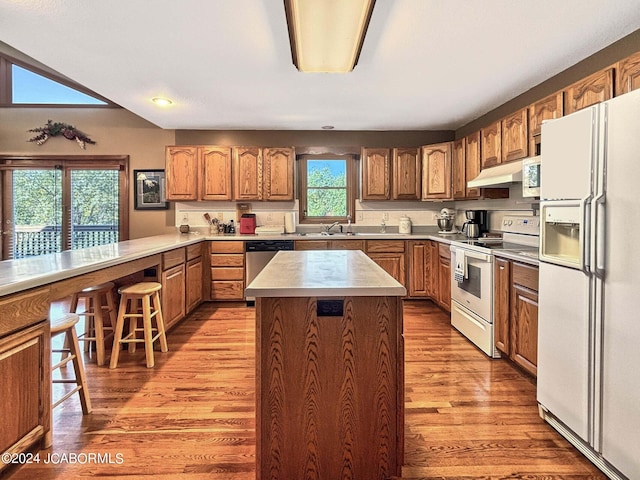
{"points": [[477, 223]]}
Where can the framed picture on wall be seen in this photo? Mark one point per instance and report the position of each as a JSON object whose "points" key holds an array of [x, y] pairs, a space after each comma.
{"points": [[149, 190]]}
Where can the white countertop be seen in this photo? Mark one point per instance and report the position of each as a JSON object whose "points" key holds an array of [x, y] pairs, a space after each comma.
{"points": [[323, 273], [25, 273]]}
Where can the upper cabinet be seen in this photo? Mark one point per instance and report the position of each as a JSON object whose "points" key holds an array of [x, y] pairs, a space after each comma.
{"points": [[278, 173], [181, 170], [215, 179], [406, 174], [490, 141], [628, 74], [376, 173], [545, 109], [247, 173], [593, 89], [472, 162], [436, 171], [459, 170], [515, 138]]}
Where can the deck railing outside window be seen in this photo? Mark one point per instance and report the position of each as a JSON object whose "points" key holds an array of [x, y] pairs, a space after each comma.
{"points": [[38, 240]]}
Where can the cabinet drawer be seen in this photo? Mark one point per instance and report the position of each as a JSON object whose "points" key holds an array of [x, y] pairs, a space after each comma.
{"points": [[312, 245], [173, 258], [194, 251], [347, 245], [227, 290], [227, 247], [23, 309], [235, 260], [385, 246], [227, 273], [525, 275], [444, 250]]}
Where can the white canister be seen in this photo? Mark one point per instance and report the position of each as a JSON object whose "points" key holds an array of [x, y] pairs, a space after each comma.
{"points": [[405, 225]]}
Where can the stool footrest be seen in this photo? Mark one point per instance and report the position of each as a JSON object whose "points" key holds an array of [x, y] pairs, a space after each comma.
{"points": [[65, 396]]}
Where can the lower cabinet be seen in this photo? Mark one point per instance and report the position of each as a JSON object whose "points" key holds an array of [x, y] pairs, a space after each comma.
{"points": [[25, 365], [444, 276], [227, 270], [194, 278], [516, 312], [389, 254], [419, 268], [173, 295]]}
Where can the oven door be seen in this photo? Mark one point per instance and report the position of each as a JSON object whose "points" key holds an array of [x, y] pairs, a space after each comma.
{"points": [[475, 292]]}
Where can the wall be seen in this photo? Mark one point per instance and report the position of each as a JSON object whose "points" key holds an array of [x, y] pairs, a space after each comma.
{"points": [[116, 131]]}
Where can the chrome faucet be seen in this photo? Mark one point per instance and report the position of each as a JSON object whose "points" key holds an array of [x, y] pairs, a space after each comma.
{"points": [[327, 228]]}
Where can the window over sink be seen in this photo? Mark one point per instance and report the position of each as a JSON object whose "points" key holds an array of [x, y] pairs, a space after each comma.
{"points": [[327, 188]]}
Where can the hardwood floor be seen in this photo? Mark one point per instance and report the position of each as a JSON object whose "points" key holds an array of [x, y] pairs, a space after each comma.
{"points": [[193, 415]]}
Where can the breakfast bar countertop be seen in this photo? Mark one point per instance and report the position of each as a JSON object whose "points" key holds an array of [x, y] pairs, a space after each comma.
{"points": [[25, 273], [318, 273]]}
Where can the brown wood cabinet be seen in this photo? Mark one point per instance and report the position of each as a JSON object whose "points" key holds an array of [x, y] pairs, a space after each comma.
{"points": [[433, 274], [459, 170], [173, 281], [491, 145], [247, 173], [25, 370], [227, 270], [444, 276], [278, 165], [546, 109], [194, 277], [436, 171], [473, 162], [376, 173], [419, 268], [329, 245], [407, 174], [389, 254], [516, 312], [501, 312], [515, 136], [628, 74], [181, 171], [215, 175], [593, 89]]}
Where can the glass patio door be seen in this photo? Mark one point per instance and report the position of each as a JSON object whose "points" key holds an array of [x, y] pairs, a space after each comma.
{"points": [[61, 206]]}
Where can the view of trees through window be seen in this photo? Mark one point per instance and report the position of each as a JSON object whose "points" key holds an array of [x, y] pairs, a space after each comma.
{"points": [[326, 188], [42, 224]]}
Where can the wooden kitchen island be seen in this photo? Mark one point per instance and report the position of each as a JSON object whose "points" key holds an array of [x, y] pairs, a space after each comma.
{"points": [[329, 367]]}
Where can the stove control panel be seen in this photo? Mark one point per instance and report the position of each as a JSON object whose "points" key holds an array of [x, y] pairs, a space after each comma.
{"points": [[521, 224]]}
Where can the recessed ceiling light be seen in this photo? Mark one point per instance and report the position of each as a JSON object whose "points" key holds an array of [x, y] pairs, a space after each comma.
{"points": [[161, 101], [327, 127]]}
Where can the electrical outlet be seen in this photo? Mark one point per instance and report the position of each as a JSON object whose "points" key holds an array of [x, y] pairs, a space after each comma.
{"points": [[360, 217], [385, 216], [220, 216], [435, 216], [269, 217]]}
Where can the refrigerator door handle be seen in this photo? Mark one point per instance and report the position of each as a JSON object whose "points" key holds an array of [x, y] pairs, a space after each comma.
{"points": [[586, 234], [600, 235]]}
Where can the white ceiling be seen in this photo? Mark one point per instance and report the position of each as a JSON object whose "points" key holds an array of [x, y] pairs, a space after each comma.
{"points": [[425, 64]]}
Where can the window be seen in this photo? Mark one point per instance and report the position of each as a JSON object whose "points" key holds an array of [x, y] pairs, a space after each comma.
{"points": [[327, 187], [22, 85], [54, 204]]}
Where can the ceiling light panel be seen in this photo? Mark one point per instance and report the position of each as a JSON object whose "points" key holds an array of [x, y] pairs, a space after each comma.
{"points": [[327, 35]]}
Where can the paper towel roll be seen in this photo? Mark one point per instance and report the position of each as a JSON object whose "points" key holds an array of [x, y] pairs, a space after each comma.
{"points": [[290, 222]]}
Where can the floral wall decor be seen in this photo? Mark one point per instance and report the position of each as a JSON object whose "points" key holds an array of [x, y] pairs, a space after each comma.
{"points": [[55, 129]]}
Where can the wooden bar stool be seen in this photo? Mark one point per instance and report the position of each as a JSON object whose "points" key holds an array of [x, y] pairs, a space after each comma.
{"points": [[148, 294], [98, 301], [66, 325]]}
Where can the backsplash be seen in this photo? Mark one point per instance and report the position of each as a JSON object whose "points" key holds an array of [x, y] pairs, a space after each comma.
{"points": [[368, 214]]}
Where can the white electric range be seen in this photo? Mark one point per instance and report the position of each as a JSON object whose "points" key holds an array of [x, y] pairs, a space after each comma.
{"points": [[472, 277]]}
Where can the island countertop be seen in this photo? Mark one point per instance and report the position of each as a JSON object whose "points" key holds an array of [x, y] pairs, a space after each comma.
{"points": [[323, 273]]}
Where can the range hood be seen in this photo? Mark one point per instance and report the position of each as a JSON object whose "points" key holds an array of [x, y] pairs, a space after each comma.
{"points": [[502, 175]]}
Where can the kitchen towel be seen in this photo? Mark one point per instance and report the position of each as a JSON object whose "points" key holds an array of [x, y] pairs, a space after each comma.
{"points": [[289, 222], [460, 272]]}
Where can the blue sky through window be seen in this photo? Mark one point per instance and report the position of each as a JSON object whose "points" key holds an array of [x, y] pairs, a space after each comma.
{"points": [[29, 87]]}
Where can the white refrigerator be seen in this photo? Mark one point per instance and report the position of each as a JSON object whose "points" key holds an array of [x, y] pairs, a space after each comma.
{"points": [[589, 292]]}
